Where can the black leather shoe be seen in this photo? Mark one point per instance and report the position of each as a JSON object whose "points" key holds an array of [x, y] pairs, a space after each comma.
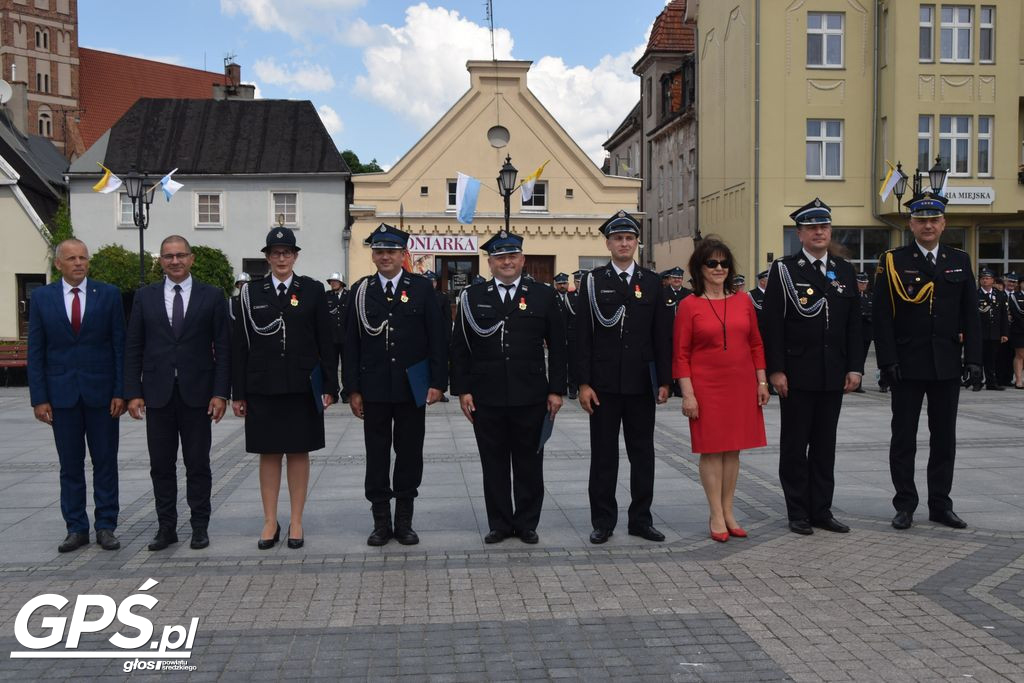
{"points": [[598, 536], [833, 524], [382, 529], [800, 526], [648, 532], [296, 543], [106, 539], [268, 543], [859, 390], [495, 536], [73, 541], [406, 535], [884, 390], [996, 387], [528, 536], [948, 518], [163, 538], [200, 539], [902, 520]]}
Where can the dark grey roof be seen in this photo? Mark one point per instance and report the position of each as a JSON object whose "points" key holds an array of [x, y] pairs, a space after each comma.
{"points": [[40, 165], [222, 137], [629, 124]]}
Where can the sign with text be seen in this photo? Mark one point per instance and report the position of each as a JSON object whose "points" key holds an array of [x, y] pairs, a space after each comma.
{"points": [[443, 244], [970, 195]]}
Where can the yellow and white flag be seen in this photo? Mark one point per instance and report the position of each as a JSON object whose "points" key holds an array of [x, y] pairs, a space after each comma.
{"points": [[108, 183], [891, 178], [530, 180]]}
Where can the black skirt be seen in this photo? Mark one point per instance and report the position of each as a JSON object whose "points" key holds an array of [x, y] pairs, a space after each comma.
{"points": [[283, 423]]}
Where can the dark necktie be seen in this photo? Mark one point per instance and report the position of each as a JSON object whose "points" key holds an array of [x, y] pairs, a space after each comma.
{"points": [[177, 312], [625, 278], [507, 296], [389, 291], [931, 258], [281, 291], [76, 311], [817, 266]]}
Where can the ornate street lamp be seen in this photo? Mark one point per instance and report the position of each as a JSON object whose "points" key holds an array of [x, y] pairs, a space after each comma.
{"points": [[901, 187], [937, 175], [507, 184], [141, 197]]}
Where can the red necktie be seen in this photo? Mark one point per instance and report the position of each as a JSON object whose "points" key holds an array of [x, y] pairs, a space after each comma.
{"points": [[76, 311]]}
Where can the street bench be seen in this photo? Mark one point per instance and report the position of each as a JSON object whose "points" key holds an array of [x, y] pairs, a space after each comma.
{"points": [[13, 356]]}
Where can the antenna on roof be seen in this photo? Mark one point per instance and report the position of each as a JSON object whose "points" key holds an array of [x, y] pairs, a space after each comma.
{"points": [[229, 58], [490, 19]]}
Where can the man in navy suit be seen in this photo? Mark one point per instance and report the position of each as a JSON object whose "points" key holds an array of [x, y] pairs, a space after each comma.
{"points": [[178, 372], [75, 361]]}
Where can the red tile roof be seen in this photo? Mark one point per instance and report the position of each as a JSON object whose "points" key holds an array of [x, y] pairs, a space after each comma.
{"points": [[669, 31], [109, 84]]}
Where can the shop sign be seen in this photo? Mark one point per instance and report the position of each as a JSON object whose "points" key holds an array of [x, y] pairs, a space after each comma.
{"points": [[443, 244], [971, 195]]}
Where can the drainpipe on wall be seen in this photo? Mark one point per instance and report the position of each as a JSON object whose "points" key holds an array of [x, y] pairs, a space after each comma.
{"points": [[875, 85], [757, 135]]}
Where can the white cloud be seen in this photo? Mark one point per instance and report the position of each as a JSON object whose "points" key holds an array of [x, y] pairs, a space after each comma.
{"points": [[297, 77], [332, 122], [297, 18]]}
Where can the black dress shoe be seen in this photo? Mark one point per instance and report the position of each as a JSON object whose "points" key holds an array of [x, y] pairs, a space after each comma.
{"points": [[200, 539], [859, 390], [832, 524], [495, 536], [648, 532], [106, 539], [995, 387], [884, 390], [800, 526], [163, 538], [902, 520], [73, 541], [296, 543], [598, 536], [528, 536], [948, 518], [268, 543]]}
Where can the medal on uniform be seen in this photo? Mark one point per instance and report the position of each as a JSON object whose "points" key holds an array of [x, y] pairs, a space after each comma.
{"points": [[637, 293], [803, 301], [295, 300], [831, 275], [404, 298], [810, 291], [522, 303]]}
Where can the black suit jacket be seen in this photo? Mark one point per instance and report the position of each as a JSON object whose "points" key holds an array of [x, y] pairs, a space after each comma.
{"points": [[757, 298], [617, 359], [337, 305], [815, 352], [200, 360], [1015, 307], [995, 321], [508, 369], [375, 366], [924, 338], [281, 363]]}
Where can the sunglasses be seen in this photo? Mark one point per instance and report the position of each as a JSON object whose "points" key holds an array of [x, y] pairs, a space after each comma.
{"points": [[713, 263]]}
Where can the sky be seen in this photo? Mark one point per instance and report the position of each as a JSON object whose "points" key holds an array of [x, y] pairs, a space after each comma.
{"points": [[382, 72]]}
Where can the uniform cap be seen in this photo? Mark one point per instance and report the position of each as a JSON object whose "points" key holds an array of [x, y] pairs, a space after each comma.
{"points": [[862, 277], [562, 278], [815, 212], [620, 222], [674, 272], [1011, 277], [762, 275], [927, 205], [430, 275], [739, 280], [280, 237], [504, 242], [986, 272], [387, 236]]}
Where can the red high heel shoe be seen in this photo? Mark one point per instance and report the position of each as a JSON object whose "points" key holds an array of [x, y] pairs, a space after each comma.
{"points": [[738, 532], [721, 538]]}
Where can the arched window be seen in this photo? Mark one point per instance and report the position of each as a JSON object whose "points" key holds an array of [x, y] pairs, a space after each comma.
{"points": [[45, 123]]}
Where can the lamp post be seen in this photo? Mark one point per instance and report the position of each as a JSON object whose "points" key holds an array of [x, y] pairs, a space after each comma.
{"points": [[936, 180], [507, 183], [141, 197]]}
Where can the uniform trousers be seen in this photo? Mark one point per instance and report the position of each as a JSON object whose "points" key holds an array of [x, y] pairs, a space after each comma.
{"points": [[990, 359], [72, 428], [164, 427], [508, 436], [635, 412], [807, 452], [402, 424], [943, 399], [573, 386]]}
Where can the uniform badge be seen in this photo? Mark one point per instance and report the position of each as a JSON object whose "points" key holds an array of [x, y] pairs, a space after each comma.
{"points": [[279, 234], [522, 303], [382, 229], [801, 262], [404, 298], [810, 291], [295, 300], [917, 279], [637, 293], [831, 275], [803, 301]]}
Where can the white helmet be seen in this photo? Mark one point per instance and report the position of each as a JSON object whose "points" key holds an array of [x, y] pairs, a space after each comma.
{"points": [[242, 277], [336, 276]]}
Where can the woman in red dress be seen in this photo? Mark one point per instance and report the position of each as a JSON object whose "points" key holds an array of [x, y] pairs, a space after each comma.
{"points": [[719, 360]]}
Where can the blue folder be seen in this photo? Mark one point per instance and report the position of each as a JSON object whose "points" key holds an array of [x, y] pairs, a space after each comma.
{"points": [[546, 428], [419, 381], [316, 381]]}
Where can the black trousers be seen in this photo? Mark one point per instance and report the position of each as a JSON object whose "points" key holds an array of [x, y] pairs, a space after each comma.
{"points": [[943, 399], [1004, 369], [164, 428], [508, 437], [636, 415], [402, 424], [990, 359], [807, 452], [573, 385]]}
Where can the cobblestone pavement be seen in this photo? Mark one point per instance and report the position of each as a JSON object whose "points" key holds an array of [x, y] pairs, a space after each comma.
{"points": [[877, 604]]}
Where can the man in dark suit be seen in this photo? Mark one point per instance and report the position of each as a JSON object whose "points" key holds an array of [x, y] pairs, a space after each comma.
{"points": [[394, 345], [925, 319], [75, 366], [498, 373], [178, 375], [624, 337], [674, 291], [995, 326], [813, 351], [757, 297], [337, 304]]}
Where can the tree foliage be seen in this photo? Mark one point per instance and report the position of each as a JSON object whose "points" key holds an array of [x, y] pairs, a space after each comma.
{"points": [[116, 265], [60, 229], [354, 164], [213, 268]]}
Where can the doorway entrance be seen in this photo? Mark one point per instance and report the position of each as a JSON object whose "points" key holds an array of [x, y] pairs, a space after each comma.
{"points": [[540, 268], [26, 285], [455, 273]]}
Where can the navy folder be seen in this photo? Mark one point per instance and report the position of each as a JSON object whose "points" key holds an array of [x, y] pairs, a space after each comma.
{"points": [[654, 378], [547, 426], [419, 381], [316, 381]]}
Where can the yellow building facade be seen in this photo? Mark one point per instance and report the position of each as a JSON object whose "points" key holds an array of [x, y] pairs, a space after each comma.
{"points": [[560, 223], [811, 98]]}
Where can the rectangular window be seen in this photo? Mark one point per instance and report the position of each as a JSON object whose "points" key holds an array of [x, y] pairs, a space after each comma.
{"points": [[987, 35], [539, 200], [824, 149], [924, 142], [424, 190], [286, 208], [453, 186], [825, 40], [670, 182], [926, 34], [591, 262], [649, 164], [650, 95], [125, 213], [955, 144], [955, 33], [208, 209], [985, 126]]}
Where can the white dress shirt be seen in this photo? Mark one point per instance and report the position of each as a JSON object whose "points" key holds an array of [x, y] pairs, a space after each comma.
{"points": [[384, 281], [287, 283], [186, 292], [69, 297], [502, 290], [812, 259], [627, 271]]}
